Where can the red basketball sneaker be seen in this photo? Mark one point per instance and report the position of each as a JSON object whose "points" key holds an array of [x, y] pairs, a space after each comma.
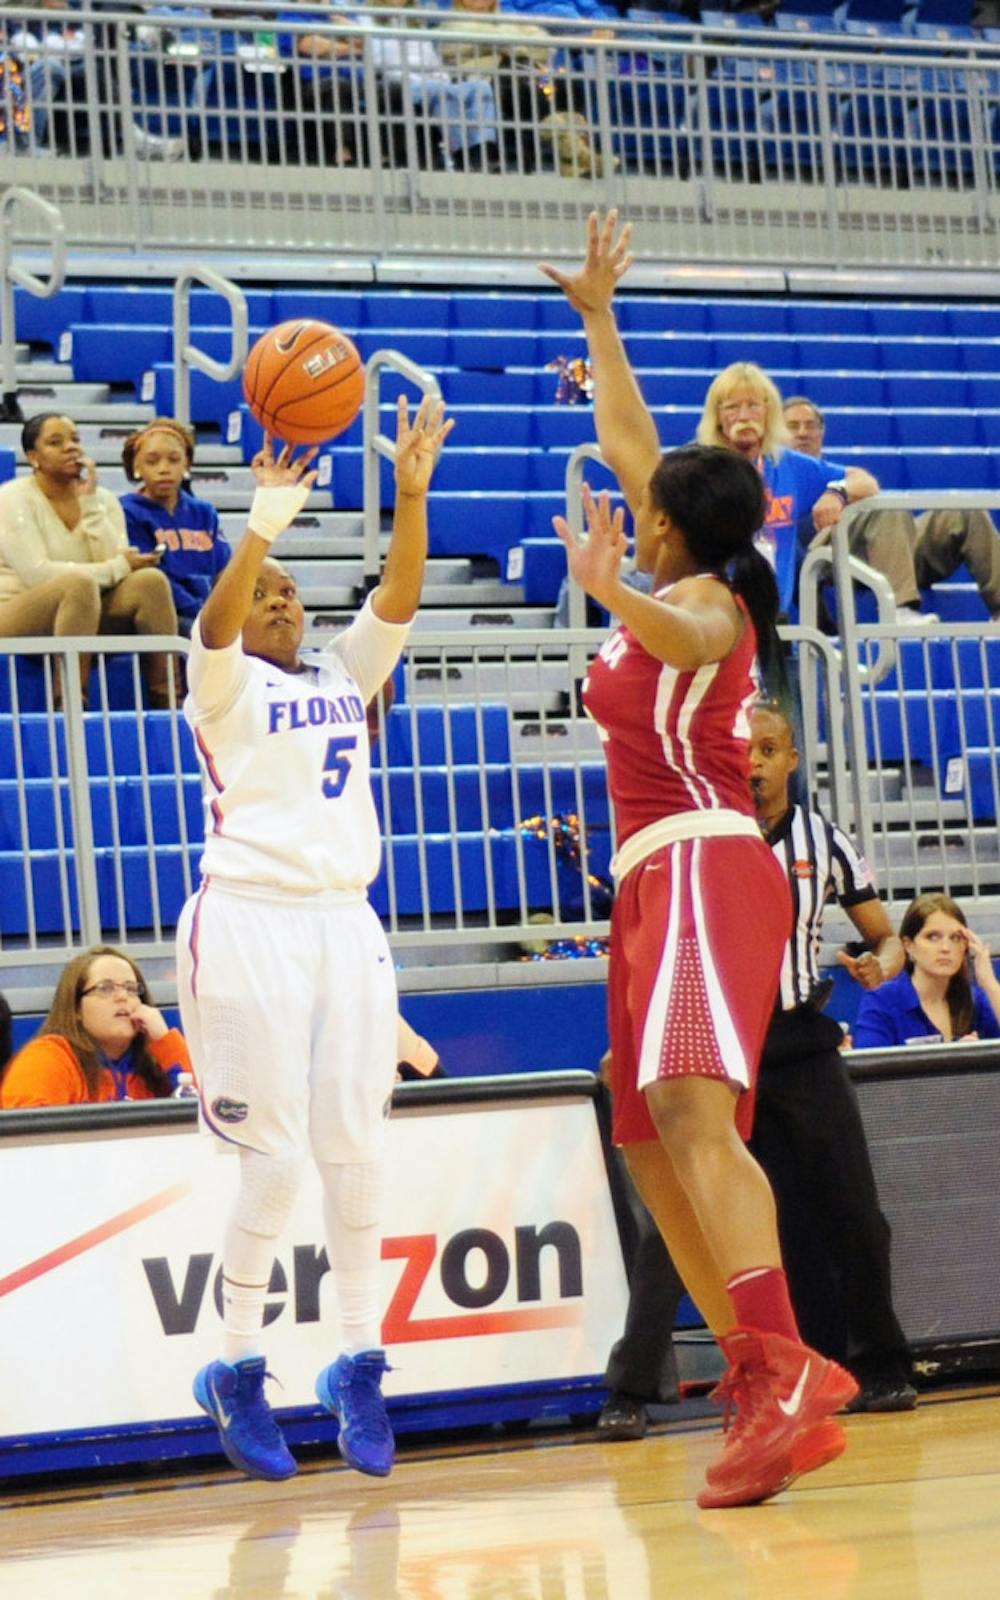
{"points": [[784, 1394]]}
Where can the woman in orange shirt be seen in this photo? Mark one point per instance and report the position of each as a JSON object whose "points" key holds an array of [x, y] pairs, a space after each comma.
{"points": [[101, 1040]]}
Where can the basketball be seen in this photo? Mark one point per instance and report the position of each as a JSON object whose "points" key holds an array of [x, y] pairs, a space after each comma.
{"points": [[304, 381]]}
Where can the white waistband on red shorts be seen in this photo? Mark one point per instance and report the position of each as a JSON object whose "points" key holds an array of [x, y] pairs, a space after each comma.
{"points": [[672, 830]]}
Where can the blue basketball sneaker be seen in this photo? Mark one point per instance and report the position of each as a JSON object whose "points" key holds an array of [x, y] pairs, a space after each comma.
{"points": [[352, 1389], [233, 1396]]}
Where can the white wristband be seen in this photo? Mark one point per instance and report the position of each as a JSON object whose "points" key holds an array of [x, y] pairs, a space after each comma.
{"points": [[275, 506]]}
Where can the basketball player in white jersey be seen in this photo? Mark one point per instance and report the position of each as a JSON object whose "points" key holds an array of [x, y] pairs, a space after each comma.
{"points": [[286, 983]]}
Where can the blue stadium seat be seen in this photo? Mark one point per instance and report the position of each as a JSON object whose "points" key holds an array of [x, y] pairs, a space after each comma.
{"points": [[773, 351], [118, 352], [851, 318], [912, 389], [564, 427], [493, 312], [428, 348], [543, 571], [343, 307], [926, 430], [951, 469], [8, 465], [974, 322], [418, 309], [655, 315], [910, 726], [120, 807], [47, 893], [918, 321], [481, 797], [556, 314], [958, 602], [920, 355], [512, 856], [981, 784], [41, 321], [869, 429], [844, 388], [426, 735], [648, 100]]}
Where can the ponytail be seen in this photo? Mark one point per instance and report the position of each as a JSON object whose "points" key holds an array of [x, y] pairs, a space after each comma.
{"points": [[751, 576]]}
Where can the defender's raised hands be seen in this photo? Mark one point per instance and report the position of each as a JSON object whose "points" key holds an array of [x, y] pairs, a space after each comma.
{"points": [[592, 289]]}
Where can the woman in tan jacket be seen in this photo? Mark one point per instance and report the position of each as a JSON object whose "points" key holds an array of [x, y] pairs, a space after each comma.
{"points": [[66, 567], [533, 101]]}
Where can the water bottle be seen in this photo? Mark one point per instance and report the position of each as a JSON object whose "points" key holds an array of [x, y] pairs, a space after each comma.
{"points": [[185, 1089]]}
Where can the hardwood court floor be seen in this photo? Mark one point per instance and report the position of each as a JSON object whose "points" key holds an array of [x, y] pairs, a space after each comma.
{"points": [[911, 1512]]}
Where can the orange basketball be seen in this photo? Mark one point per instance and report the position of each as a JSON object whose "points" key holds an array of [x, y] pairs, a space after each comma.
{"points": [[304, 381]]}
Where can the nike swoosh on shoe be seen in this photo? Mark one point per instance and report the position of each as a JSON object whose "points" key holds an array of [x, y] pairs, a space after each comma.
{"points": [[791, 1405]]}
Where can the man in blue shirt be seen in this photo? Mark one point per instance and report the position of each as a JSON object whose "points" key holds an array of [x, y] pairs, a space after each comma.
{"points": [[912, 553]]}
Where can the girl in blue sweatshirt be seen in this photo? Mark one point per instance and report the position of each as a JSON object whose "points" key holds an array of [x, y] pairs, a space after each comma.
{"points": [[163, 512]]}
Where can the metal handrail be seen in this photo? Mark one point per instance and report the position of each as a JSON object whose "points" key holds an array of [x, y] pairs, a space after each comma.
{"points": [[377, 443], [11, 274], [187, 355]]}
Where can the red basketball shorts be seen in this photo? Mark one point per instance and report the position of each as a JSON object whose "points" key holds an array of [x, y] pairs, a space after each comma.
{"points": [[697, 936]]}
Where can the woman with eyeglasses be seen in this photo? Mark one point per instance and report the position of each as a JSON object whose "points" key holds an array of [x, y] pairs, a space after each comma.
{"points": [[947, 991], [102, 1040]]}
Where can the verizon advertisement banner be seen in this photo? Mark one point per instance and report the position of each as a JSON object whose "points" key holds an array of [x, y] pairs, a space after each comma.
{"points": [[501, 1264]]}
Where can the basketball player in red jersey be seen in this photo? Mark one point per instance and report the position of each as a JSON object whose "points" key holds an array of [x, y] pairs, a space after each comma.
{"points": [[701, 911]]}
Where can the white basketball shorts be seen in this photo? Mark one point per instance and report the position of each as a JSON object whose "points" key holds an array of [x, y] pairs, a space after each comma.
{"points": [[289, 1008]]}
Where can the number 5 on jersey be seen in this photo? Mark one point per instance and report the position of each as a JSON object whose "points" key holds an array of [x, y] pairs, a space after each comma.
{"points": [[337, 766]]}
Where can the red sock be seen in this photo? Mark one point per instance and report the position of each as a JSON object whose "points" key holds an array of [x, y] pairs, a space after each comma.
{"points": [[761, 1301]]}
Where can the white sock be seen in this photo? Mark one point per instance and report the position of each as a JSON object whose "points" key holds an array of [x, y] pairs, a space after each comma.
{"points": [[268, 1186]]}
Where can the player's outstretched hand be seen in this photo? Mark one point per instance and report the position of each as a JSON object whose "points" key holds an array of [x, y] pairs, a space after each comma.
{"points": [[278, 471], [592, 289], [418, 444], [596, 565]]}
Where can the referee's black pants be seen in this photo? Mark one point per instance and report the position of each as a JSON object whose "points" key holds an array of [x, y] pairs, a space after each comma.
{"points": [[809, 1138]]}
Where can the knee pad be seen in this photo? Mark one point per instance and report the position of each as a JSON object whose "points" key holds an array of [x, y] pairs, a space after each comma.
{"points": [[268, 1186], [356, 1191]]}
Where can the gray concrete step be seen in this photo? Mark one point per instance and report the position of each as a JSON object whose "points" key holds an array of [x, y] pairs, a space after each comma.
{"points": [[35, 372], [45, 395]]}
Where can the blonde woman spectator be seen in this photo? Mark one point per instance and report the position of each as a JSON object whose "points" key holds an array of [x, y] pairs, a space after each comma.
{"points": [[66, 566]]}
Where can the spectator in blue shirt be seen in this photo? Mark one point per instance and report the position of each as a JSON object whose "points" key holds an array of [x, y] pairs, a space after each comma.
{"points": [[935, 998], [164, 516], [743, 412]]}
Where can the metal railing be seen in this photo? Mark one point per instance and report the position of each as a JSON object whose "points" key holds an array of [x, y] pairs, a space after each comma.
{"points": [[178, 129], [378, 446], [11, 273], [188, 355], [489, 783]]}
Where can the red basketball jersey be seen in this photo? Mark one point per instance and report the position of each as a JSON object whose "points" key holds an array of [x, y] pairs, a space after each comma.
{"points": [[674, 741]]}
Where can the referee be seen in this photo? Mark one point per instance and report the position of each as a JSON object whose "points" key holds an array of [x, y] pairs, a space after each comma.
{"points": [[808, 1135]]}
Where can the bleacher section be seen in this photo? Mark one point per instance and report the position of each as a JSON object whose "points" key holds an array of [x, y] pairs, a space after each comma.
{"points": [[911, 390]]}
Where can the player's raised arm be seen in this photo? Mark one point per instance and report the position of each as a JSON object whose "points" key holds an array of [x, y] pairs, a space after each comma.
{"points": [[418, 445], [626, 431], [283, 485]]}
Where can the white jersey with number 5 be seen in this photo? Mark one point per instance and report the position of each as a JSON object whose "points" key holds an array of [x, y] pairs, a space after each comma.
{"points": [[285, 762]]}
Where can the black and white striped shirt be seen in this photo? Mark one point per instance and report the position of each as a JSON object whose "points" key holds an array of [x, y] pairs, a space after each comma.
{"points": [[821, 864]]}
